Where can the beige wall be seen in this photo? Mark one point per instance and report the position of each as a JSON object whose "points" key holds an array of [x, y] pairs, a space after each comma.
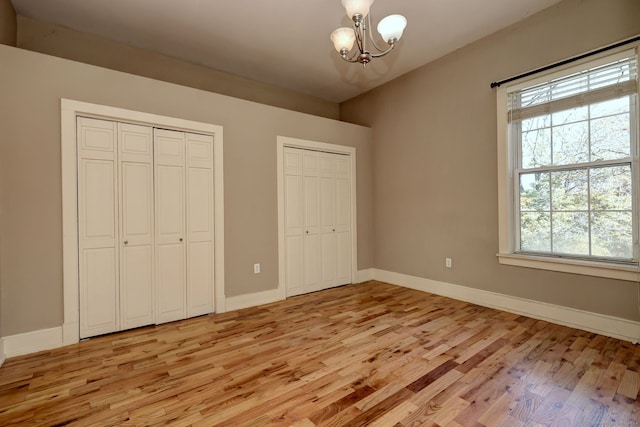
{"points": [[8, 26], [30, 190], [90, 49], [435, 166]]}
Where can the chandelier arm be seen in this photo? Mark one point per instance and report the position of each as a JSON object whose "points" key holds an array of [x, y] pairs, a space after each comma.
{"points": [[383, 53], [373, 41], [352, 59], [360, 37]]}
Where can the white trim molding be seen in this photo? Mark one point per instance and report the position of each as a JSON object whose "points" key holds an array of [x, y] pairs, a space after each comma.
{"points": [[251, 300], [3, 357], [609, 270], [285, 141], [364, 275], [69, 110], [611, 326], [31, 342]]}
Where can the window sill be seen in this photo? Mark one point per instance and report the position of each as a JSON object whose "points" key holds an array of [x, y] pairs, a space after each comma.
{"points": [[598, 269]]}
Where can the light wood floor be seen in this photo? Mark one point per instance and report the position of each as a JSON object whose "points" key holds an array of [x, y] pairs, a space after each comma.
{"points": [[359, 355]]}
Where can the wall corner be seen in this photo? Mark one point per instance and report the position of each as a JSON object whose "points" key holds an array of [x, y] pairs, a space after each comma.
{"points": [[8, 24]]}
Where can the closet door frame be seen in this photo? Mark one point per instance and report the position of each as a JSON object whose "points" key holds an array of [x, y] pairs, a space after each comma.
{"points": [[282, 142], [70, 110]]}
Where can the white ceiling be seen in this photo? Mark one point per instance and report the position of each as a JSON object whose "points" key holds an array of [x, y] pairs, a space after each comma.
{"points": [[284, 42]]}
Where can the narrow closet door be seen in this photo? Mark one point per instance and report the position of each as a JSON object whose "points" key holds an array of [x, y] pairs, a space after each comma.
{"points": [[199, 224], [343, 219], [98, 226], [293, 221], [312, 238], [328, 219], [170, 220], [136, 225]]}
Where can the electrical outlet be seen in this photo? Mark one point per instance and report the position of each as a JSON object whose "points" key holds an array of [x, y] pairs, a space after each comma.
{"points": [[256, 268], [447, 262]]}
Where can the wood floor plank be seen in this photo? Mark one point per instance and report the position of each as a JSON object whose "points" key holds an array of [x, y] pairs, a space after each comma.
{"points": [[370, 354], [630, 384]]}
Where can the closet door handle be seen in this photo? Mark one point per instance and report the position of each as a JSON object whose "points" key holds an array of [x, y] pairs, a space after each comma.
{"points": [[307, 231], [126, 242], [181, 239], [334, 229]]}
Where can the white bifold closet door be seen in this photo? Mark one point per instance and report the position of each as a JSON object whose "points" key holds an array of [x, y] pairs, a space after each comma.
{"points": [[98, 238], [199, 224], [145, 225], [184, 231], [170, 224], [317, 208], [115, 218], [136, 225]]}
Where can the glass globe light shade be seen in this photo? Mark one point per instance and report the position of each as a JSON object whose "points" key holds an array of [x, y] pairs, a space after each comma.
{"points": [[392, 26], [343, 38], [357, 6]]}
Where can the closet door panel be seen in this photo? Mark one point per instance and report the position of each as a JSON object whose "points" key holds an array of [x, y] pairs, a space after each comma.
{"points": [[311, 181], [294, 234], [98, 292], [312, 266], [97, 227], [343, 195], [96, 138], [170, 225], [200, 205], [293, 221], [293, 208], [171, 282], [135, 144], [343, 220], [327, 210], [343, 260], [294, 271], [97, 208], [199, 224], [200, 150], [327, 204], [169, 147], [200, 279], [170, 203], [136, 286], [136, 271], [328, 260], [137, 203], [312, 263]]}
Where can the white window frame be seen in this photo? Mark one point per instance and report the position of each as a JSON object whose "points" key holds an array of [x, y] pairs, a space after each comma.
{"points": [[507, 205]]}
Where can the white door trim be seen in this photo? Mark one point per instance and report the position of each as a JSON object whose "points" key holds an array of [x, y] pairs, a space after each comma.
{"points": [[69, 110], [284, 141]]}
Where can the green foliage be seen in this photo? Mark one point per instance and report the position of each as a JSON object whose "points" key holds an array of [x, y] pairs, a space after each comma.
{"points": [[585, 208]]}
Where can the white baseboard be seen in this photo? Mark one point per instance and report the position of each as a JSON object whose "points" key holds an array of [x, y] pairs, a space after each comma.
{"points": [[30, 342], [2, 355], [70, 333], [611, 326], [250, 300], [365, 275]]}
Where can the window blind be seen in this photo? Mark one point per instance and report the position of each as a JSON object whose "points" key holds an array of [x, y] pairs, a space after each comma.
{"points": [[602, 83]]}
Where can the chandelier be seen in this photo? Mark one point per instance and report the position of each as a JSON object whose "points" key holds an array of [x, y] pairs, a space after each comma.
{"points": [[390, 28]]}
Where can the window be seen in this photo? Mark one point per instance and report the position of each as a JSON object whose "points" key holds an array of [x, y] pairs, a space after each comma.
{"points": [[570, 150]]}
